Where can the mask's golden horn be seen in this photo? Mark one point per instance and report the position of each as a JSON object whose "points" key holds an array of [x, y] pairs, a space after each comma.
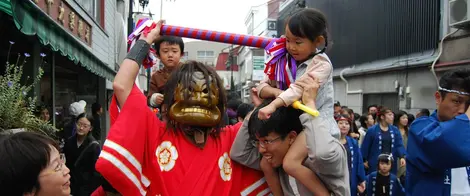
{"points": [[300, 106]]}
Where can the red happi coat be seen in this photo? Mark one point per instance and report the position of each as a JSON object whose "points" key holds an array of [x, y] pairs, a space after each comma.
{"points": [[141, 157]]}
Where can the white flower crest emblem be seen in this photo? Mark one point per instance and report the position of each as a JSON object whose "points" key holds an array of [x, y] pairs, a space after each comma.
{"points": [[166, 156], [225, 167]]}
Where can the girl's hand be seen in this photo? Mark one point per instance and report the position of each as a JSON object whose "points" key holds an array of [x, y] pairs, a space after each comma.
{"points": [[354, 135], [265, 112], [402, 162], [361, 187], [254, 97]]}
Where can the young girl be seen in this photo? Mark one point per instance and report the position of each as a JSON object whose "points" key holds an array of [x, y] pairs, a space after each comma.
{"points": [[305, 32], [382, 182], [383, 138], [357, 175]]}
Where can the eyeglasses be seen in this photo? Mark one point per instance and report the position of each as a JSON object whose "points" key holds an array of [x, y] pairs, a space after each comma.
{"points": [[80, 125], [264, 143], [59, 167]]}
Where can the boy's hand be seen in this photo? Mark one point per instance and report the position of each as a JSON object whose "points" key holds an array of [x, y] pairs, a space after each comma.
{"points": [[265, 112], [366, 165], [154, 34], [254, 97], [159, 99]]}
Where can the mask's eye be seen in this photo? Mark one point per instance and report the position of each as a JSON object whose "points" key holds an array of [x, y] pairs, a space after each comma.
{"points": [[205, 90]]}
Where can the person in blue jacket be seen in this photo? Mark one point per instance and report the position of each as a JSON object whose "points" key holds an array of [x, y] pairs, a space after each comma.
{"points": [[438, 145], [382, 182], [357, 177], [383, 138]]}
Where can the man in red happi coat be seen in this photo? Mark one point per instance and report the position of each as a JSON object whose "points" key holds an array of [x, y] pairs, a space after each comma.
{"points": [[189, 154]]}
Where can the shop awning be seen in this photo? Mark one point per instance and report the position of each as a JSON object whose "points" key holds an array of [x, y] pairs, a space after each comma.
{"points": [[30, 20]]}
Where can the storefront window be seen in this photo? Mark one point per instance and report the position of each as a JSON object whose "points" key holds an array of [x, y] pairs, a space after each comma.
{"points": [[74, 83]]}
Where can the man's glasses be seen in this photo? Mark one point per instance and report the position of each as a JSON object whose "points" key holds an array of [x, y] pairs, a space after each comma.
{"points": [[264, 143]]}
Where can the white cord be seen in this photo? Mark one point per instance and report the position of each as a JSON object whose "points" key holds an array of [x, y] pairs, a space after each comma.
{"points": [[441, 48]]}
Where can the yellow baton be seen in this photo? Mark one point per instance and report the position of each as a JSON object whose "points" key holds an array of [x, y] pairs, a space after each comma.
{"points": [[300, 106]]}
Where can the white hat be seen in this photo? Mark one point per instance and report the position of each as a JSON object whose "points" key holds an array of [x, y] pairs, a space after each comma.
{"points": [[77, 108]]}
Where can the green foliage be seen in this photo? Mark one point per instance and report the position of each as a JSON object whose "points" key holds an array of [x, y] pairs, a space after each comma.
{"points": [[16, 107]]}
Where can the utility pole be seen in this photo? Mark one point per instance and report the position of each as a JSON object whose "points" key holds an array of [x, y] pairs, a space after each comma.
{"points": [[130, 19], [232, 59], [161, 9]]}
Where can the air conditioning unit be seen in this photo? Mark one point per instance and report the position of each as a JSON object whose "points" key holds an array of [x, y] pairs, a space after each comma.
{"points": [[459, 13]]}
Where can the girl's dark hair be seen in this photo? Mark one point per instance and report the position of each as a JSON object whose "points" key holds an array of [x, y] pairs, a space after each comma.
{"points": [[353, 125], [411, 118], [363, 120], [385, 158], [396, 121], [22, 157], [183, 75], [339, 116], [40, 108], [309, 23], [381, 110], [83, 115]]}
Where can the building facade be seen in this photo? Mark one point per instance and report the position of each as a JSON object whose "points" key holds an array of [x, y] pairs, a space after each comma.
{"points": [[203, 51], [83, 42], [382, 52], [260, 21]]}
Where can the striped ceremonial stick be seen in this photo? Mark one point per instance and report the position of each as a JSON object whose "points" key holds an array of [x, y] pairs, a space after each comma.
{"points": [[216, 36], [231, 38]]}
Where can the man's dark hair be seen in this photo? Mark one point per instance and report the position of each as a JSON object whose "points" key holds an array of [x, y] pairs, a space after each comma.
{"points": [[243, 109], [95, 108], [282, 121], [424, 112], [233, 95], [455, 80], [233, 104], [337, 105], [170, 40], [373, 105], [22, 157]]}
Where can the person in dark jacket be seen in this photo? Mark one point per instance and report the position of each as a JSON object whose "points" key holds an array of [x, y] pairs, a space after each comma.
{"points": [[96, 111], [81, 152]]}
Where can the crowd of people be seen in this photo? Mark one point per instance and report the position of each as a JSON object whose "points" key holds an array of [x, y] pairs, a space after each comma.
{"points": [[188, 137]]}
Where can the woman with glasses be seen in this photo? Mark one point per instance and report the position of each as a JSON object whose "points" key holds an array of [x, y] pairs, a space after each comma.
{"points": [[30, 164], [82, 151]]}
